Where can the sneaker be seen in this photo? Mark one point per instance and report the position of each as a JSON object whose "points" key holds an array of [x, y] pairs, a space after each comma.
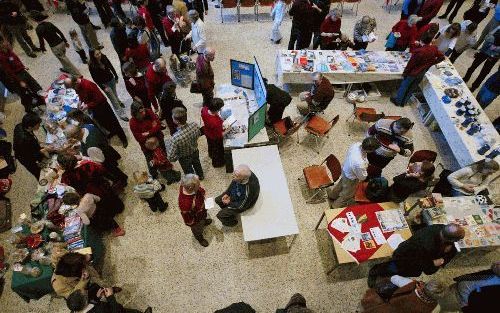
{"points": [[164, 208], [116, 289], [36, 50], [393, 100], [117, 232], [63, 70], [149, 310], [100, 47], [124, 118], [208, 221], [32, 55], [96, 27], [442, 17], [125, 144], [203, 242], [231, 223]]}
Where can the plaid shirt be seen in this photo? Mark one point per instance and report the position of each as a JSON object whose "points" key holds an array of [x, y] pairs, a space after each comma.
{"points": [[184, 142]]}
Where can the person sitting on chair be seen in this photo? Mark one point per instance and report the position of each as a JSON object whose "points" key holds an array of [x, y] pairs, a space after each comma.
{"points": [[240, 196], [473, 179], [415, 179], [318, 98]]}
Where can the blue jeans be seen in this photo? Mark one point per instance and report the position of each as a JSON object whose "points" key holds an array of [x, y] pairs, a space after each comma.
{"points": [[485, 97], [408, 86]]}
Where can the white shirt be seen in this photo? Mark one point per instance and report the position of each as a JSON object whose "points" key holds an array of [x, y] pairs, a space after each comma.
{"points": [[356, 163], [444, 43], [198, 36], [465, 40]]}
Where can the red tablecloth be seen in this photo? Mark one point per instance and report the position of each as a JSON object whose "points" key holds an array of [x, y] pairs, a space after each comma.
{"points": [[358, 210]]}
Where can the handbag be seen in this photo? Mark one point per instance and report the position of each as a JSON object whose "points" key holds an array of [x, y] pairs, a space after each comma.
{"points": [[391, 41], [195, 87]]}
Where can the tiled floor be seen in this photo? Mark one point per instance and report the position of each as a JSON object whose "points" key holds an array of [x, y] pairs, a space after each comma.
{"points": [[159, 263]]}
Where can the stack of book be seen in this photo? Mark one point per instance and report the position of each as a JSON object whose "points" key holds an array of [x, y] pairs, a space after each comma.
{"points": [[72, 232]]}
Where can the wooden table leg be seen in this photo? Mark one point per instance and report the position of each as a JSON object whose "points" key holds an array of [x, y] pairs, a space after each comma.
{"points": [[320, 220]]}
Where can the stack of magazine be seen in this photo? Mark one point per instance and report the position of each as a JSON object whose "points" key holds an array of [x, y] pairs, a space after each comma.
{"points": [[72, 232]]}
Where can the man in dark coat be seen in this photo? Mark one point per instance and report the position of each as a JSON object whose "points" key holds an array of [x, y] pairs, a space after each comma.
{"points": [[15, 22], [278, 100], [302, 12], [428, 250], [319, 17], [27, 149], [240, 196]]}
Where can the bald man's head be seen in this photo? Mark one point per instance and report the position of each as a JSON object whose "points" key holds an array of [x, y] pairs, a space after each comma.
{"points": [[453, 233], [242, 173]]}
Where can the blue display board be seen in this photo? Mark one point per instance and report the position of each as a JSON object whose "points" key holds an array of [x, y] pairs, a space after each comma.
{"points": [[242, 74], [258, 84]]}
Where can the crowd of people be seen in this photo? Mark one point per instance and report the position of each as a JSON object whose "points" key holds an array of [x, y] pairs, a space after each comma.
{"points": [[90, 165]]}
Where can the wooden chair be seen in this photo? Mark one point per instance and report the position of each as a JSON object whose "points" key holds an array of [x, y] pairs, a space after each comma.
{"points": [[248, 4], [367, 115], [317, 177], [319, 128], [360, 195], [423, 155], [229, 4], [262, 3], [282, 133]]}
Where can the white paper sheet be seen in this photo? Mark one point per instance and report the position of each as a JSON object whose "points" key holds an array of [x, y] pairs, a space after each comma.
{"points": [[394, 240], [341, 225], [377, 235], [351, 243], [209, 203]]}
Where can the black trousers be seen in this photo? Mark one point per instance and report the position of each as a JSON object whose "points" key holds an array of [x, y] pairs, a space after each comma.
{"points": [[156, 203], [82, 55], [489, 64], [359, 45], [191, 164], [117, 7], [159, 27], [227, 215], [455, 6], [32, 167], [454, 55], [104, 11], [316, 39], [31, 83], [299, 38], [208, 96], [216, 151]]}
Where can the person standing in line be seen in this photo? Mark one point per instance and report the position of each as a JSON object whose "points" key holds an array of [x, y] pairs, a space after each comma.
{"points": [[318, 18], [135, 83], [118, 37], [183, 145], [362, 29], [156, 77], [479, 11], [428, 11], [117, 8], [197, 34], [422, 58], [491, 27], [354, 170], [77, 45], [56, 40], [405, 32], [454, 5], [155, 11], [168, 101], [466, 40], [205, 75], [489, 55], [78, 14], [104, 74], [192, 207], [104, 10], [301, 33], [15, 22], [214, 131]]}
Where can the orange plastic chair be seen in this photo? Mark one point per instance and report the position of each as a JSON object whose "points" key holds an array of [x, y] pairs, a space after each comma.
{"points": [[317, 177], [360, 195], [319, 127], [423, 155]]}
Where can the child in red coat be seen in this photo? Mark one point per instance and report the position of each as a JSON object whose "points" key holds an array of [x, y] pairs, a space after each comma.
{"points": [[160, 161]]}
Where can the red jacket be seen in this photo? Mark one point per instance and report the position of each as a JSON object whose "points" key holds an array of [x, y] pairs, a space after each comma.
{"points": [[429, 10], [136, 87], [421, 59], [160, 160], [90, 94], [144, 13], [174, 38], [329, 26], [192, 214], [11, 63], [213, 124], [154, 83], [150, 124], [139, 54], [87, 177], [408, 34]]}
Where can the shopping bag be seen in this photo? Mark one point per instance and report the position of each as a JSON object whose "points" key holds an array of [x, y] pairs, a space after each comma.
{"points": [[391, 41]]}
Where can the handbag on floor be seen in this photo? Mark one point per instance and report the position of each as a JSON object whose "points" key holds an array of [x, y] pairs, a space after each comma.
{"points": [[195, 87]]}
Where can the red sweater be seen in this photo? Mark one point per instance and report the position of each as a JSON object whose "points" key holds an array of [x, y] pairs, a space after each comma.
{"points": [[192, 214], [144, 13], [154, 83], [90, 94], [429, 10], [408, 34], [11, 63], [160, 160], [421, 59], [150, 124], [139, 54], [136, 87], [204, 73], [329, 26], [213, 124], [87, 177]]}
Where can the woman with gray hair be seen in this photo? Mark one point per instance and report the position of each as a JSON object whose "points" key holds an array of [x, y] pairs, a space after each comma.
{"points": [[192, 206], [330, 30], [362, 30], [405, 32]]}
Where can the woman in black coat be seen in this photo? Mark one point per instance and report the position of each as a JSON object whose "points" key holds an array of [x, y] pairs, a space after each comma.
{"points": [[475, 13], [415, 179], [104, 75]]}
